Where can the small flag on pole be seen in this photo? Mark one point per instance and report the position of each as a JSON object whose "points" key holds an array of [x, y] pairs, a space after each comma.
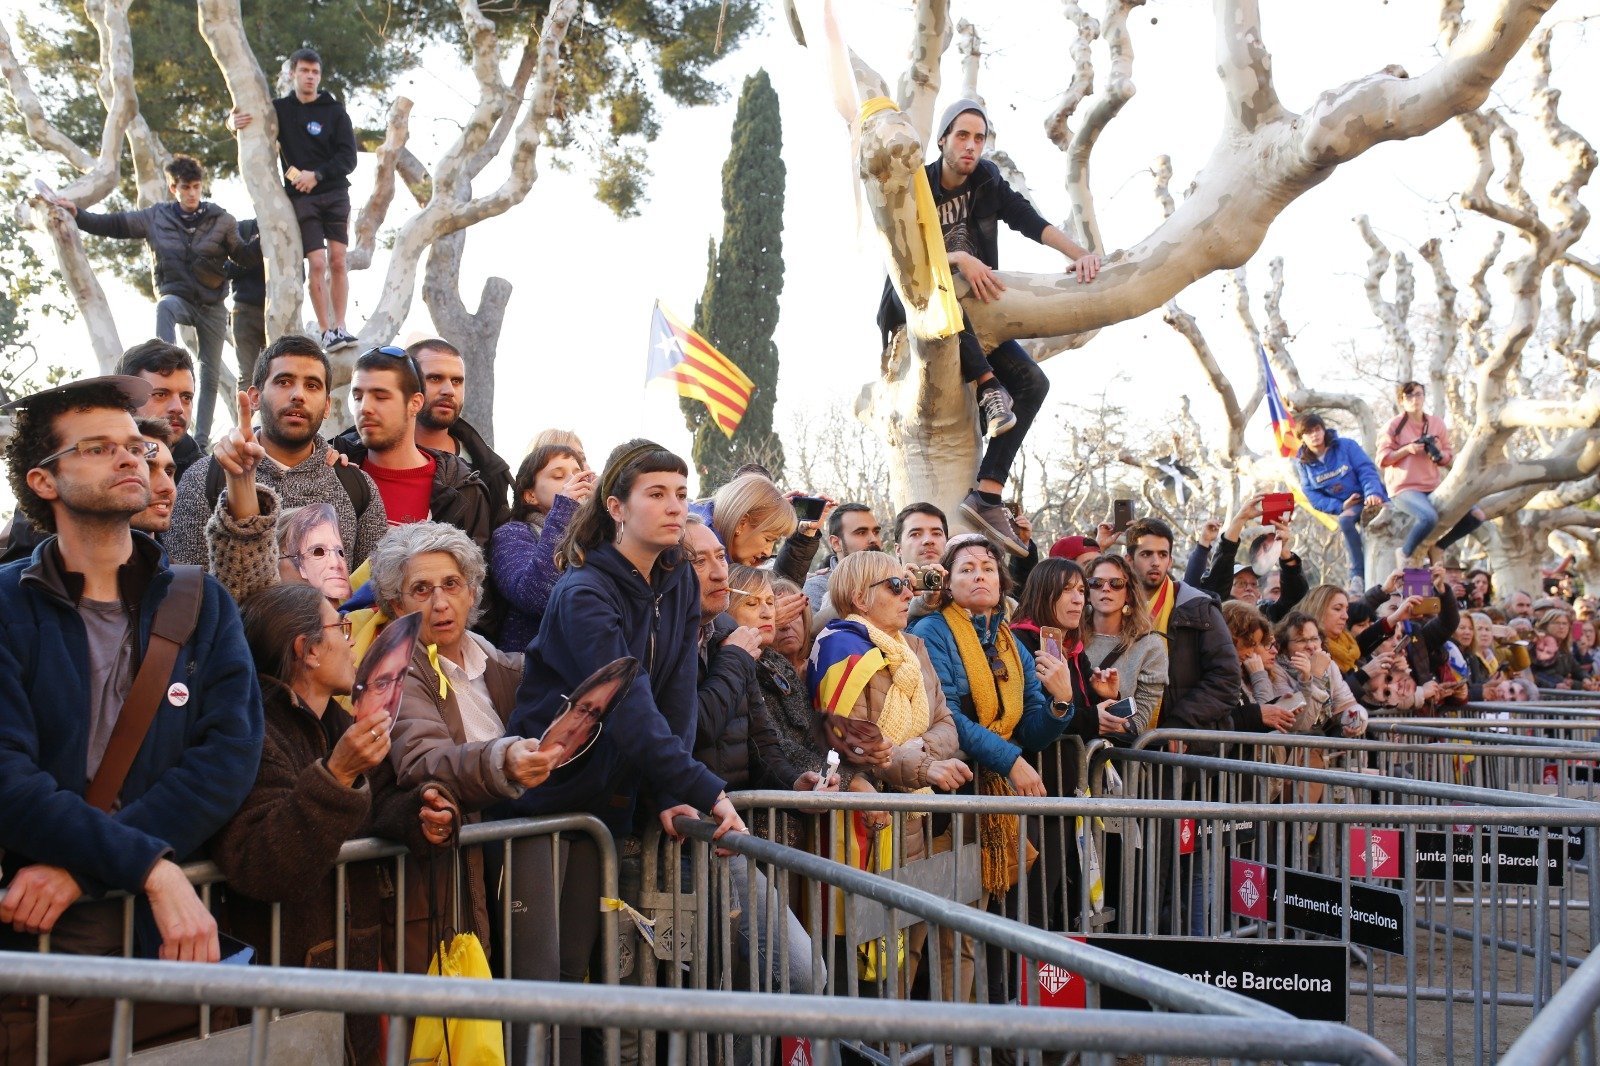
{"points": [[1282, 425], [702, 373], [1288, 442]]}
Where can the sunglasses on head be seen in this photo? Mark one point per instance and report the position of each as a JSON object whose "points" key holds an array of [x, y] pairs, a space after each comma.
{"points": [[389, 351]]}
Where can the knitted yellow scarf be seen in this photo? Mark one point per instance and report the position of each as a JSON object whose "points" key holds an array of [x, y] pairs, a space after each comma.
{"points": [[1344, 651], [999, 703], [905, 714]]}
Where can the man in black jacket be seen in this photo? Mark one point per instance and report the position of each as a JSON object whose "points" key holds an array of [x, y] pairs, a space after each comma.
{"points": [[1218, 571], [192, 241], [972, 198], [317, 145], [441, 427], [249, 319], [416, 484], [731, 721]]}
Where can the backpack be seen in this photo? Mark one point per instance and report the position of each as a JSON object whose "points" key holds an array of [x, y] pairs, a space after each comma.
{"points": [[354, 482]]}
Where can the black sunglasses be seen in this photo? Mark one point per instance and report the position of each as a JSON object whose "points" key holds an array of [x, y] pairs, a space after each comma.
{"points": [[391, 352], [897, 585]]}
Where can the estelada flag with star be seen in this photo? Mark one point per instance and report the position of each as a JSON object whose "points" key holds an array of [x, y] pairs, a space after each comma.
{"points": [[702, 373]]}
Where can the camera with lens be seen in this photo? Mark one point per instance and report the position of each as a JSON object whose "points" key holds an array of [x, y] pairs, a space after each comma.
{"points": [[1430, 445], [926, 579]]}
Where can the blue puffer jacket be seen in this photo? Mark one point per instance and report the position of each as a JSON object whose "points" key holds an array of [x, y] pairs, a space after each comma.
{"points": [[197, 762], [1039, 726], [598, 612], [1343, 470]]}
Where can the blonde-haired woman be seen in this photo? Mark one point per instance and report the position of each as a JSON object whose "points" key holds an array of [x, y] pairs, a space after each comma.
{"points": [[866, 669], [751, 516]]}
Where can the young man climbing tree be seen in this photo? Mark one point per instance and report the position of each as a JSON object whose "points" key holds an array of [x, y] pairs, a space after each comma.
{"points": [[971, 197]]}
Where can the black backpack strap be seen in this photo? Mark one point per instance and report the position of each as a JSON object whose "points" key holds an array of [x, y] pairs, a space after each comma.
{"points": [[355, 486], [216, 481]]}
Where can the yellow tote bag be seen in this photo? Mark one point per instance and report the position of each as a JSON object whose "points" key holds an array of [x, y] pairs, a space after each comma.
{"points": [[458, 1041]]}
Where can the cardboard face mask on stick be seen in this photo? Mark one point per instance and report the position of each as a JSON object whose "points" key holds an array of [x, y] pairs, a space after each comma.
{"points": [[381, 675]]}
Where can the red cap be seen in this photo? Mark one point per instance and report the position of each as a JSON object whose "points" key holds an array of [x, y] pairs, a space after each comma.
{"points": [[1073, 548]]}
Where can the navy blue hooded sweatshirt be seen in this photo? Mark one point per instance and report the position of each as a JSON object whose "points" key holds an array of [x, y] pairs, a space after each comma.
{"points": [[599, 612]]}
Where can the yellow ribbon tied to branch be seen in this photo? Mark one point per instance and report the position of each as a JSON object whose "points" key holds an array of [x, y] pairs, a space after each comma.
{"points": [[940, 317]]}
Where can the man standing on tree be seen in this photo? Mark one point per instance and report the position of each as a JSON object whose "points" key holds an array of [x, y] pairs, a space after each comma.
{"points": [[441, 427], [317, 145], [971, 197], [192, 240]]}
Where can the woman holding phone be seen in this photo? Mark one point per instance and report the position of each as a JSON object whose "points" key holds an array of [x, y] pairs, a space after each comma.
{"points": [[1128, 658]]}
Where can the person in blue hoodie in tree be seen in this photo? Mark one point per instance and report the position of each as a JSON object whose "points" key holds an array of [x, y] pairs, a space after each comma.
{"points": [[626, 590], [1339, 478]]}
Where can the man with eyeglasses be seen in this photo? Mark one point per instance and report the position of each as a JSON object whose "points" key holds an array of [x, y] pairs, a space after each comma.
{"points": [[252, 474], [78, 620], [417, 483]]}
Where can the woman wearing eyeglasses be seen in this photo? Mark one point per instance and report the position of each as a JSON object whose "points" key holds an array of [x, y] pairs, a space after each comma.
{"points": [[324, 779], [1127, 656], [459, 691]]}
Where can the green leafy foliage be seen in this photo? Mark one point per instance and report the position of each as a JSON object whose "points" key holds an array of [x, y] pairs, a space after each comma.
{"points": [[738, 310], [607, 99]]}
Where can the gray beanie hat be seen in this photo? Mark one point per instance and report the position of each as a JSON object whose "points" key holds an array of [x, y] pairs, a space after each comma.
{"points": [[955, 110]]}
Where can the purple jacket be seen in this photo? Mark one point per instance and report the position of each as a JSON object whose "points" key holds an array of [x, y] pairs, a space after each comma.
{"points": [[523, 566]]}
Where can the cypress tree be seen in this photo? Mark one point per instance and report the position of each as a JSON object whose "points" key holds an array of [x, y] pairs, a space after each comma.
{"points": [[738, 311]]}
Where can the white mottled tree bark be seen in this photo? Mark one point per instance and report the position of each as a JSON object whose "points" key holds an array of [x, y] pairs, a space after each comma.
{"points": [[222, 26], [1266, 157]]}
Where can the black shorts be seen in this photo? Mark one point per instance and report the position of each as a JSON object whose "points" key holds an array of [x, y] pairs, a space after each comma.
{"points": [[324, 218]]}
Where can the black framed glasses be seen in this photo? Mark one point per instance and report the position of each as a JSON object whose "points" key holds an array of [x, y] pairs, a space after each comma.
{"points": [[101, 448], [380, 685], [389, 351], [897, 585]]}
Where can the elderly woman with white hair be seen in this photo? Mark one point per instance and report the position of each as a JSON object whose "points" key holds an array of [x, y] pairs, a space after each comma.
{"points": [[451, 728]]}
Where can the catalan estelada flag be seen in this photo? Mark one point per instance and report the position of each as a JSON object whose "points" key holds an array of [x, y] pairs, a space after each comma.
{"points": [[1288, 442], [1282, 424], [842, 661], [702, 373]]}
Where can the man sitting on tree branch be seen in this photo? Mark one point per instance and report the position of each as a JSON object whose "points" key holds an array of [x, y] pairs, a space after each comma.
{"points": [[971, 196]]}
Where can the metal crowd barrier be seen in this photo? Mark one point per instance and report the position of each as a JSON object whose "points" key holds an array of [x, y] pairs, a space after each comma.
{"points": [[1494, 906], [507, 833], [1568, 1029], [677, 1014]]}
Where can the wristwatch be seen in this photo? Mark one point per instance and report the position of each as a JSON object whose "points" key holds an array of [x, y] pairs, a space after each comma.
{"points": [[1060, 707]]}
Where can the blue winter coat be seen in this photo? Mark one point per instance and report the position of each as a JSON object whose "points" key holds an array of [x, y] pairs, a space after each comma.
{"points": [[599, 612], [1039, 726], [1343, 470], [198, 761]]}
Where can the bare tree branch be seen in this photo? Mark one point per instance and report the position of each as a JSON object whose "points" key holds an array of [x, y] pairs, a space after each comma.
{"points": [[1119, 90], [1391, 314], [919, 85], [1245, 66], [372, 213]]}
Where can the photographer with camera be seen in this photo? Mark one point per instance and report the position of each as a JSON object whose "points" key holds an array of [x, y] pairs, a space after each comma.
{"points": [[1414, 454]]}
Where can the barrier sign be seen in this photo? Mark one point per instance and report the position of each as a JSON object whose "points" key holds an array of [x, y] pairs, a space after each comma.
{"points": [[1308, 980], [1516, 858], [1315, 903], [1375, 853]]}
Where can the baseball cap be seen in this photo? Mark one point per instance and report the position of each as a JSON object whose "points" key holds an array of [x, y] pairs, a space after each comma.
{"points": [[1073, 548]]}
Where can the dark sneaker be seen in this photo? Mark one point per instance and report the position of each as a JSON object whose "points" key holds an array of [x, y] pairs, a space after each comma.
{"points": [[335, 339], [994, 403], [994, 522]]}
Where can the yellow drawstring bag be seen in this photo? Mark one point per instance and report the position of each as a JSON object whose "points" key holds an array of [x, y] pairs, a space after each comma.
{"points": [[458, 1041]]}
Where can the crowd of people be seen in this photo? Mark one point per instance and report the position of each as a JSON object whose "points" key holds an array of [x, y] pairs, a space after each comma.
{"points": [[258, 648], [272, 569]]}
